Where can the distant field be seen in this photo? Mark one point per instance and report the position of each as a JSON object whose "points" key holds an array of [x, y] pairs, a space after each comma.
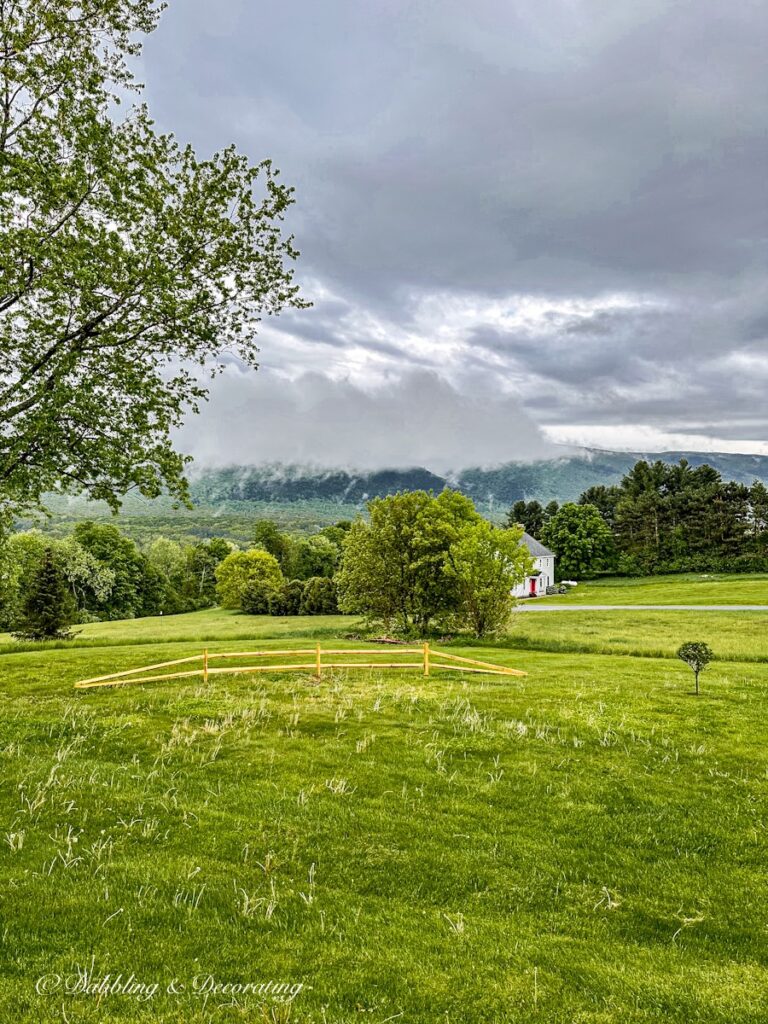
{"points": [[584, 845], [735, 636], [211, 624], [683, 589]]}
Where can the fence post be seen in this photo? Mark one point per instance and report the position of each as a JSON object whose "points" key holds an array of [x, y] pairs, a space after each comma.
{"points": [[205, 665], [317, 660], [426, 659]]}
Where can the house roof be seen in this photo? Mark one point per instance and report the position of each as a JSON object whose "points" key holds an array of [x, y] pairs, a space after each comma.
{"points": [[535, 547]]}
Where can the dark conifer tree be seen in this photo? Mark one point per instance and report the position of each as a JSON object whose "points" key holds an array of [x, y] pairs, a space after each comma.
{"points": [[48, 608]]}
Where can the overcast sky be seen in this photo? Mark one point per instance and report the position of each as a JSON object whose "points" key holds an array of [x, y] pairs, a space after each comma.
{"points": [[519, 222]]}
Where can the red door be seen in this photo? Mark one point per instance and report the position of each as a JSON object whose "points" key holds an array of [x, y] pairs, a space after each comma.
{"points": [[533, 586]]}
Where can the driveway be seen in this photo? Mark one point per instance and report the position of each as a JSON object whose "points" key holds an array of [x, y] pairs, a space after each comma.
{"points": [[532, 606]]}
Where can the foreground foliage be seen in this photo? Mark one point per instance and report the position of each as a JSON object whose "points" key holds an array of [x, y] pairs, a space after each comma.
{"points": [[124, 260]]}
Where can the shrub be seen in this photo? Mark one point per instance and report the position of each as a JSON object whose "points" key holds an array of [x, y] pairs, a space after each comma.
{"points": [[319, 597], [247, 579], [287, 600]]}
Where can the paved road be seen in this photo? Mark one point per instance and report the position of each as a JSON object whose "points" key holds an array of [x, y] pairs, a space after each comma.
{"points": [[532, 606]]}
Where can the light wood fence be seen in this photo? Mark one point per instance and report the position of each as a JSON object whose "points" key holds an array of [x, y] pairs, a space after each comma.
{"points": [[429, 660]]}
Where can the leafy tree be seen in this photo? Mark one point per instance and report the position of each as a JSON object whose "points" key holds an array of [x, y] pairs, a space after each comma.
{"points": [[8, 585], [247, 579], [89, 581], [167, 556], [21, 557], [138, 587], [319, 597], [127, 264], [337, 532], [394, 568], [48, 608], [580, 539], [199, 587], [313, 556], [486, 564], [696, 655]]}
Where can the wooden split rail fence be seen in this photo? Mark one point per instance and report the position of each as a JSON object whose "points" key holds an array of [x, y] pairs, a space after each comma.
{"points": [[429, 660]]}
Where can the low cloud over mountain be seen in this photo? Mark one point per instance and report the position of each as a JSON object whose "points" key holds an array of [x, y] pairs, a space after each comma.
{"points": [[418, 420]]}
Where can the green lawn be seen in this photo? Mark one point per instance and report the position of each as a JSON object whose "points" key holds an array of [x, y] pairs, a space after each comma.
{"points": [[584, 845], [740, 636], [209, 625], [682, 589]]}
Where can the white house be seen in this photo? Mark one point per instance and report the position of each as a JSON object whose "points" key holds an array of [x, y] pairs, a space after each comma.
{"points": [[543, 574]]}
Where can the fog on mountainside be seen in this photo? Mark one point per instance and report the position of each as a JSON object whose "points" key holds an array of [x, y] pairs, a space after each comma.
{"points": [[418, 420]]}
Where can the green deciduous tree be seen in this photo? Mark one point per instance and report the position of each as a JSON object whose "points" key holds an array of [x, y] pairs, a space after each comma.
{"points": [[199, 587], [394, 568], [267, 535], [287, 600], [247, 580], [485, 564], [138, 587], [580, 539], [127, 264], [89, 581], [697, 655], [312, 556], [20, 558]]}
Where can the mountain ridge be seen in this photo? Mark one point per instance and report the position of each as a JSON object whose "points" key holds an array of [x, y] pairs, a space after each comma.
{"points": [[562, 478]]}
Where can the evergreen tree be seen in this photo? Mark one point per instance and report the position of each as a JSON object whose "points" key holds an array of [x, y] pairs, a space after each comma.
{"points": [[530, 515], [48, 608], [683, 518]]}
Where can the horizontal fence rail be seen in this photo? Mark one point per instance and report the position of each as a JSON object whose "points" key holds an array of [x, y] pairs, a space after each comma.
{"points": [[429, 660]]}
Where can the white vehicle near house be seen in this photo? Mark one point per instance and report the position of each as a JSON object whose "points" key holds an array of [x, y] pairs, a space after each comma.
{"points": [[543, 574]]}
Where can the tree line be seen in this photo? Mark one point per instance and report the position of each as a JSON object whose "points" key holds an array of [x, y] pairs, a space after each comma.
{"points": [[48, 584], [419, 563], [661, 518]]}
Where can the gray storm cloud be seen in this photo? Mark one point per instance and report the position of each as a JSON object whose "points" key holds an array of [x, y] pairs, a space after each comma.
{"points": [[498, 151], [419, 420]]}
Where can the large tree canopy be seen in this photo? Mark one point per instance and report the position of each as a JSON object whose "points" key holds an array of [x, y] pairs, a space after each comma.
{"points": [[127, 264]]}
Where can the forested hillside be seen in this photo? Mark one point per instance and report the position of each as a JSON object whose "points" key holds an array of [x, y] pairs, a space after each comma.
{"points": [[561, 479], [304, 499]]}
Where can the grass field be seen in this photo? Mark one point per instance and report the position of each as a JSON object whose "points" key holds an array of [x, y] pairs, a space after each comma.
{"points": [[681, 589], [735, 636], [584, 845]]}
